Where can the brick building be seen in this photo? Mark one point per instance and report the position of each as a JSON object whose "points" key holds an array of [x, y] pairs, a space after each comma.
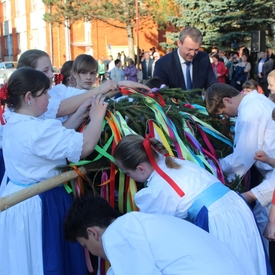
{"points": [[23, 28]]}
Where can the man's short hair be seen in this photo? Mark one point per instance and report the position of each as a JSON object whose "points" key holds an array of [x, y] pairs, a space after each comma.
{"points": [[88, 211], [117, 61], [192, 32], [214, 97]]}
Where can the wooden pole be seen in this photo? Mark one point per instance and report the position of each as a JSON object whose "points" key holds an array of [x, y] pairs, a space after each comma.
{"points": [[38, 188]]}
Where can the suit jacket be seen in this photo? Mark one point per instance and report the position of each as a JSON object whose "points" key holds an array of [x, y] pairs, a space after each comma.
{"points": [[143, 67], [267, 68], [169, 70], [257, 66]]}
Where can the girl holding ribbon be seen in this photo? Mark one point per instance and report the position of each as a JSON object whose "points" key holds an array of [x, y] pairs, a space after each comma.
{"points": [[183, 189], [31, 232]]}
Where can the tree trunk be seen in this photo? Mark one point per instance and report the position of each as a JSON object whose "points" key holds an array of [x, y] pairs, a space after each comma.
{"points": [[130, 36]]}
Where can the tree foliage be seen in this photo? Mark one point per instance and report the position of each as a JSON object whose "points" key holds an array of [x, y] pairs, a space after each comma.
{"points": [[110, 12], [222, 22]]}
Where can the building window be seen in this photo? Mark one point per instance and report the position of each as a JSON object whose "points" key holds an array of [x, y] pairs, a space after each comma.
{"points": [[8, 45]]}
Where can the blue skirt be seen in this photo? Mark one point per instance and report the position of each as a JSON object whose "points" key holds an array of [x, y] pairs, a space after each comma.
{"points": [[60, 257]]}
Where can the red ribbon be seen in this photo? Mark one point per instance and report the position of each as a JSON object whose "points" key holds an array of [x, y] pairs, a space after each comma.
{"points": [[273, 198], [156, 96], [4, 92], [58, 78], [148, 149], [3, 96]]}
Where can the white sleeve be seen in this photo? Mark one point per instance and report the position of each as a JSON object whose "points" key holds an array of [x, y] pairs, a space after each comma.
{"points": [[53, 141], [71, 91], [127, 248], [157, 200], [245, 145], [62, 92]]}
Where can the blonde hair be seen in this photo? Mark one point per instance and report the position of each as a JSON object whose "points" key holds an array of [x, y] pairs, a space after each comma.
{"points": [[84, 63], [271, 74], [130, 152]]}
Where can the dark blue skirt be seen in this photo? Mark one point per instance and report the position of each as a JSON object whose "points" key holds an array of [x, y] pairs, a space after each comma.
{"points": [[60, 257]]}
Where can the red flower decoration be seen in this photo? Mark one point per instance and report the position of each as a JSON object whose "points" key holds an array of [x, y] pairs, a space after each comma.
{"points": [[4, 92]]}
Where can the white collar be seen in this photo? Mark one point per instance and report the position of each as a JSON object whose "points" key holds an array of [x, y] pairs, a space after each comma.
{"points": [[182, 61]]}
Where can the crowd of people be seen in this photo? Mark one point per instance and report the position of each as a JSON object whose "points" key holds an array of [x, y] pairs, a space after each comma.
{"points": [[188, 221]]}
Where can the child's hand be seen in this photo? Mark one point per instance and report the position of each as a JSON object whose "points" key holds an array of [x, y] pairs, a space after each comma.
{"points": [[98, 107], [261, 156], [84, 108], [107, 86]]}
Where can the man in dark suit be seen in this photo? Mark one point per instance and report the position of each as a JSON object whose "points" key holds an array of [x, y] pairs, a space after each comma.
{"points": [[186, 67], [146, 67], [262, 70]]}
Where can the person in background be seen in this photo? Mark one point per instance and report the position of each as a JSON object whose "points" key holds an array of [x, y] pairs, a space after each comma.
{"points": [[138, 243], [131, 71], [259, 67], [141, 55], [251, 85], [271, 82], [152, 51], [117, 73], [146, 67], [66, 71], [267, 68], [222, 55], [101, 71], [186, 67], [230, 65], [156, 57], [123, 59], [242, 72], [111, 65], [218, 68]]}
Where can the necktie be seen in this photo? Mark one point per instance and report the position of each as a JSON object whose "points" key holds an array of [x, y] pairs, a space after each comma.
{"points": [[188, 76]]}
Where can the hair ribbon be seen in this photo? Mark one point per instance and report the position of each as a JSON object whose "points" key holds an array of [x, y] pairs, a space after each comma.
{"points": [[58, 78], [3, 96], [147, 146]]}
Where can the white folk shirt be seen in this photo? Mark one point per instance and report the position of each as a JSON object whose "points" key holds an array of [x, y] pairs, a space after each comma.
{"points": [[145, 244], [254, 131]]}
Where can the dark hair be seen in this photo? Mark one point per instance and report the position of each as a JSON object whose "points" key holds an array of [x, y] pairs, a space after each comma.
{"points": [[29, 58], [154, 82], [273, 113], [251, 84], [22, 81], [130, 152], [66, 71], [84, 63], [214, 96], [88, 211], [246, 51], [216, 56], [117, 61]]}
